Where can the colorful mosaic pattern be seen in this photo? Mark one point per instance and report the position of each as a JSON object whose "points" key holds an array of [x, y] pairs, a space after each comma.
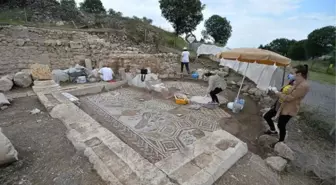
{"points": [[152, 127]]}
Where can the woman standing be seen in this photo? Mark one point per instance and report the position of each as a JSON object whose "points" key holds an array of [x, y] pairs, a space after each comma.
{"points": [[291, 101]]}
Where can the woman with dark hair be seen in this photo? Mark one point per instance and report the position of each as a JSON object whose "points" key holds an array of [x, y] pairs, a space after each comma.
{"points": [[291, 101]]}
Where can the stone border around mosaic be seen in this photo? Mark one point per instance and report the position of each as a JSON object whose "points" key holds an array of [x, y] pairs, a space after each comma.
{"points": [[117, 163], [126, 134]]}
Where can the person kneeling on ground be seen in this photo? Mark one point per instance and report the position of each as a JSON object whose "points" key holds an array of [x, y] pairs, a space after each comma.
{"points": [[289, 102], [106, 73], [216, 85]]}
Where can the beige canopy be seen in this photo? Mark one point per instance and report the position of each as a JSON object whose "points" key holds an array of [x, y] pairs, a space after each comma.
{"points": [[252, 55]]}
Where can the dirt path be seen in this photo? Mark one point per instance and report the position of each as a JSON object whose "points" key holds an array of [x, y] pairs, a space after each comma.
{"points": [[46, 156], [247, 124]]}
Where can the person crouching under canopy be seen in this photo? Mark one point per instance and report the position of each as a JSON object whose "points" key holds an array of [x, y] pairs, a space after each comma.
{"points": [[217, 84]]}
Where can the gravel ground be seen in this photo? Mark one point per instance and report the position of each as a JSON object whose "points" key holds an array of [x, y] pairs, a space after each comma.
{"points": [[46, 156], [252, 170], [322, 97]]}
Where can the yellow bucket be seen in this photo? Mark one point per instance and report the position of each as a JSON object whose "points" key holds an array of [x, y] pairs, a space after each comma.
{"points": [[181, 101]]}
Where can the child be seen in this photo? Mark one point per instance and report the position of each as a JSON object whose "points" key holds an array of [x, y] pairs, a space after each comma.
{"points": [[284, 90]]}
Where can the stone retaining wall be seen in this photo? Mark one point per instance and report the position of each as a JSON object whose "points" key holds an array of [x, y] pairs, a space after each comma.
{"points": [[22, 46]]}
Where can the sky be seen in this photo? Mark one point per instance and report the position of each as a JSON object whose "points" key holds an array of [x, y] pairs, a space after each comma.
{"points": [[253, 22]]}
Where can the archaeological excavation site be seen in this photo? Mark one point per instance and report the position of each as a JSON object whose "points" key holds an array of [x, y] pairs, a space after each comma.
{"points": [[149, 124], [129, 133]]}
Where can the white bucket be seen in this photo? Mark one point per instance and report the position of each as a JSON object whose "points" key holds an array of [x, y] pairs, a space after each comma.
{"points": [[230, 105]]}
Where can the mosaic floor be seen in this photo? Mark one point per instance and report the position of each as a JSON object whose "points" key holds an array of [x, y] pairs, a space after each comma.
{"points": [[153, 127]]}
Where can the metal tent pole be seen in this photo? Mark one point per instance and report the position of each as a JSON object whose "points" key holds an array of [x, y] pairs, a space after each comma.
{"points": [[241, 85], [283, 77]]}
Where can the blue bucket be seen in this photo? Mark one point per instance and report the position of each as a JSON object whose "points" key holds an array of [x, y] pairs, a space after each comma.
{"points": [[194, 75]]}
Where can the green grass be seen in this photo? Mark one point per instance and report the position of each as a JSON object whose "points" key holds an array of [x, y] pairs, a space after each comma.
{"points": [[15, 16], [169, 39], [318, 71], [322, 77]]}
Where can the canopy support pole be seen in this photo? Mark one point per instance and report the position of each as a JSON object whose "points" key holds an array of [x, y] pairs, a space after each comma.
{"points": [[283, 77], [241, 85]]}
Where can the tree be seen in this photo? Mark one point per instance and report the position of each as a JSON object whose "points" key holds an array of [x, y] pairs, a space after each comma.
{"points": [[147, 20], [267, 47], [69, 10], [184, 15], [111, 12], [205, 35], [69, 4], [218, 28], [321, 41], [14, 3], [135, 18], [119, 14], [297, 51], [280, 46], [93, 6], [114, 13]]}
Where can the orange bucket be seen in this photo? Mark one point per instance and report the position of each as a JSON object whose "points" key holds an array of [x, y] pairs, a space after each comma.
{"points": [[181, 99]]}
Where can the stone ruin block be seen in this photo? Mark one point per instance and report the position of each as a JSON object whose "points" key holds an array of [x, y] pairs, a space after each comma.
{"points": [[41, 72]]}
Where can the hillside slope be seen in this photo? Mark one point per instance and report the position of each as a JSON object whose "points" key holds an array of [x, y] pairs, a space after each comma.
{"points": [[40, 13]]}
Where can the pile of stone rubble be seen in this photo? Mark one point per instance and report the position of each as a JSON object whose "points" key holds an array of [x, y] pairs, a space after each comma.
{"points": [[25, 78], [280, 156], [20, 79]]}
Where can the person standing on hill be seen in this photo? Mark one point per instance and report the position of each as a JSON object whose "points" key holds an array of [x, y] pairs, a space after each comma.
{"points": [[289, 102], [185, 58]]}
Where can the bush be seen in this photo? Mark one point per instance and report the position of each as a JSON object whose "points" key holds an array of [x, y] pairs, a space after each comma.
{"points": [[69, 10], [15, 16]]}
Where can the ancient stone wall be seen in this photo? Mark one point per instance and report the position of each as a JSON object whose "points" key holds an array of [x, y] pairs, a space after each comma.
{"points": [[21, 47]]}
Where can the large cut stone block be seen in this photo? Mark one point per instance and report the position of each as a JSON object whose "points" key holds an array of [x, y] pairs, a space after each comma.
{"points": [[94, 89], [44, 87], [41, 72], [88, 64]]}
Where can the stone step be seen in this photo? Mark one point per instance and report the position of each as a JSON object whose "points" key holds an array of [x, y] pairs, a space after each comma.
{"points": [[204, 161], [44, 82], [46, 86], [114, 160]]}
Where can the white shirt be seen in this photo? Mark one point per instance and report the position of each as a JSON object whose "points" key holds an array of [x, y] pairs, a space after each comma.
{"points": [[185, 56], [106, 73]]}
